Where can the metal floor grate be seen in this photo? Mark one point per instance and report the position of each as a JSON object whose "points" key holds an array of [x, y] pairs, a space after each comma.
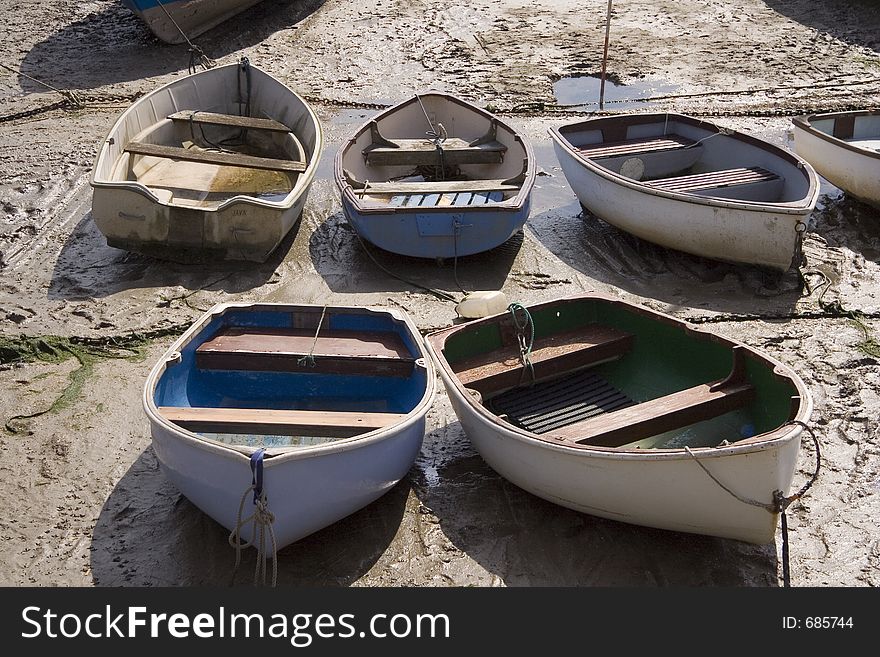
{"points": [[558, 403]]}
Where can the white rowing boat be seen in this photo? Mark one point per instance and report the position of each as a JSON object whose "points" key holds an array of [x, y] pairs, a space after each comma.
{"points": [[687, 184], [215, 165]]}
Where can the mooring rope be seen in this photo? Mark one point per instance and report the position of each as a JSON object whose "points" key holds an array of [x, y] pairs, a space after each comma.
{"points": [[437, 134], [196, 54], [444, 296], [69, 95], [780, 502], [525, 344], [309, 359], [261, 520]]}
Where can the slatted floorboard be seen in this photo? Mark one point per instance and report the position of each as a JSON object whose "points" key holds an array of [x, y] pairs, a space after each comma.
{"points": [[554, 404], [458, 199]]}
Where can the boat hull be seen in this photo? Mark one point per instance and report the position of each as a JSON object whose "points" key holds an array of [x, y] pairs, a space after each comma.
{"points": [[175, 217], [611, 425], [437, 235], [305, 494], [853, 169], [309, 483], [167, 18], [669, 491], [733, 226], [455, 214]]}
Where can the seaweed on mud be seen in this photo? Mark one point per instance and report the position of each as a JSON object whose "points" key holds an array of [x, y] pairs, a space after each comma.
{"points": [[87, 351]]}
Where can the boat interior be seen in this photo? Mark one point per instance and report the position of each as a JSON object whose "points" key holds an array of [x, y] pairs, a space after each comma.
{"points": [[861, 130], [435, 152], [200, 159], [594, 376], [293, 378], [677, 154], [205, 139]]}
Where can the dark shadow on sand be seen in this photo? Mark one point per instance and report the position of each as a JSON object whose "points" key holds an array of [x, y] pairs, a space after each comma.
{"points": [[121, 47], [609, 255], [527, 541], [842, 221], [88, 268], [854, 21], [349, 264], [149, 534]]}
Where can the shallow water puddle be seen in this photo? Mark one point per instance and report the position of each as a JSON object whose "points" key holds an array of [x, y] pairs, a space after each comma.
{"points": [[582, 91]]}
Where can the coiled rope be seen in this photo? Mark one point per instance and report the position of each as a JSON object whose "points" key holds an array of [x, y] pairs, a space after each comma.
{"points": [[261, 520], [437, 135], [780, 502], [526, 342]]}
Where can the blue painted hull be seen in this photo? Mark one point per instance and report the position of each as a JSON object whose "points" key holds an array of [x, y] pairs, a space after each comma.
{"points": [[462, 193], [168, 18], [310, 481], [438, 234]]}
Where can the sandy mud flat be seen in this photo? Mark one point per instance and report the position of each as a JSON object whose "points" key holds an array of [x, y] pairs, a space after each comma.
{"points": [[83, 500]]}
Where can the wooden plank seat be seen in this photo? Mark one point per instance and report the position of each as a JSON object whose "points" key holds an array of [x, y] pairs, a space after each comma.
{"points": [[422, 152], [652, 417], [672, 411], [552, 355], [715, 180], [632, 147], [230, 120], [458, 199], [368, 353], [213, 157], [336, 424], [438, 187]]}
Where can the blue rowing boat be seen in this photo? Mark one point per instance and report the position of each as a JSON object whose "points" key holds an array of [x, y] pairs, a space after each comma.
{"points": [[176, 21], [435, 177], [316, 411]]}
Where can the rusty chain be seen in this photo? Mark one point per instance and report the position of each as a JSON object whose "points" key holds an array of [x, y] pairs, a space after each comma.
{"points": [[74, 102]]}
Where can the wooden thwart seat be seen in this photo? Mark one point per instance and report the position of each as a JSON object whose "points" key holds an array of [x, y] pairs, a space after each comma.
{"points": [[337, 424], [552, 355], [421, 152], [212, 157], [231, 120], [715, 180], [635, 146], [376, 353], [649, 418], [439, 187], [673, 411]]}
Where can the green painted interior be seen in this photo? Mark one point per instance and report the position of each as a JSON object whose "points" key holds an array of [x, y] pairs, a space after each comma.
{"points": [[666, 357]]}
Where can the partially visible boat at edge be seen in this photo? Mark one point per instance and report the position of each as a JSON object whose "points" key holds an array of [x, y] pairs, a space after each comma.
{"points": [[175, 21], [435, 177], [844, 148], [214, 165], [621, 412], [687, 184], [335, 399]]}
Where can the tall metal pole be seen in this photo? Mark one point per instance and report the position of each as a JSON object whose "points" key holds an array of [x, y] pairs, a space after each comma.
{"points": [[605, 57]]}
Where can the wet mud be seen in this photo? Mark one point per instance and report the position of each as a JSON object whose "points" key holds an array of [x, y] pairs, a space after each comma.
{"points": [[84, 501]]}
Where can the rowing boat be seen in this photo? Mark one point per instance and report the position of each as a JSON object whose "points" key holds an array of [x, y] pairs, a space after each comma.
{"points": [[435, 177], [687, 184], [618, 411], [214, 165], [330, 402], [844, 147]]}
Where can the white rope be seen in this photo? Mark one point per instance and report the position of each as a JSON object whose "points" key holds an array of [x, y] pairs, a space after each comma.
{"points": [[309, 358], [261, 519]]}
